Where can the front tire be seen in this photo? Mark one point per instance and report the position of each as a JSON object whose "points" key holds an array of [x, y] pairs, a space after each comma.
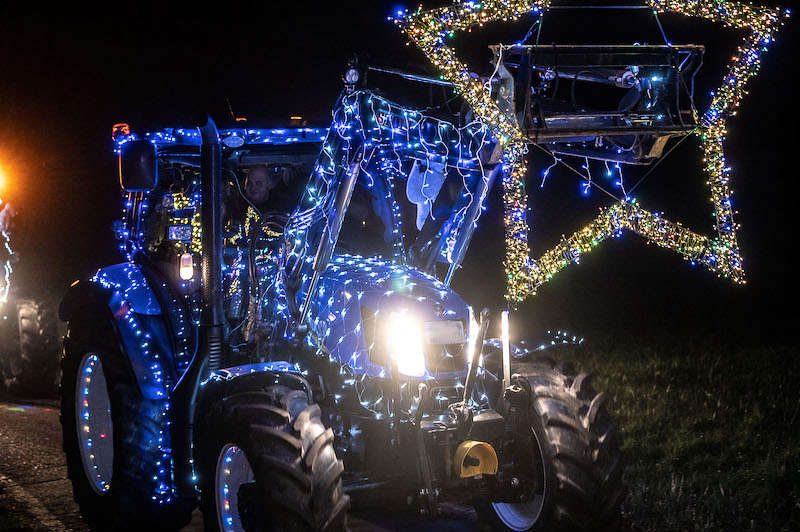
{"points": [[268, 463], [580, 462]]}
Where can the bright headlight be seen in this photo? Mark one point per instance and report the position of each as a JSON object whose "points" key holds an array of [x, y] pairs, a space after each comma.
{"points": [[404, 343], [472, 338]]}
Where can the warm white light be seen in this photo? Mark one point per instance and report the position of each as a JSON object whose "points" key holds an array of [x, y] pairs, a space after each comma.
{"points": [[186, 267], [504, 337], [474, 328], [405, 344]]}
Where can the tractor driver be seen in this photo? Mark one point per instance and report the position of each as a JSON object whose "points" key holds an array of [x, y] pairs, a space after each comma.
{"points": [[254, 191], [257, 186], [259, 182]]}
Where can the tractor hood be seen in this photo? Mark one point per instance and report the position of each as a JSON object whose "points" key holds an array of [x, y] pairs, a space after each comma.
{"points": [[356, 296]]}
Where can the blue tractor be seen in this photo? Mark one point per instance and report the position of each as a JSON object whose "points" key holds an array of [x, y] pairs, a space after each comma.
{"points": [[271, 359]]}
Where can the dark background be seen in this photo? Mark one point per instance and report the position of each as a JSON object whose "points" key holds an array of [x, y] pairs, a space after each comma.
{"points": [[67, 75]]}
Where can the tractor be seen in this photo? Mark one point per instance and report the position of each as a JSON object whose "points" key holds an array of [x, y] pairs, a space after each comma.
{"points": [[271, 361]]}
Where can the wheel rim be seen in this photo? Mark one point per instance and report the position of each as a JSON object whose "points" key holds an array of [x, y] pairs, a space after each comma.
{"points": [[520, 516], [94, 426], [233, 470]]}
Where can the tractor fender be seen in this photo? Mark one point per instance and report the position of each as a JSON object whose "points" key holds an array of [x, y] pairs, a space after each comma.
{"points": [[278, 367], [126, 277], [252, 377], [140, 324]]}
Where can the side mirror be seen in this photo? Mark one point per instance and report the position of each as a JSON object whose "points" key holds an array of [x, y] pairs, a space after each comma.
{"points": [[138, 166]]}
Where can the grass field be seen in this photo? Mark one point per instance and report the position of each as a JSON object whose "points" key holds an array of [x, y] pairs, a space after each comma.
{"points": [[711, 432]]}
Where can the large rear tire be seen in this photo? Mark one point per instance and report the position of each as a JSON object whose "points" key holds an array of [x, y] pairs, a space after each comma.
{"points": [[579, 460], [31, 367], [111, 433], [268, 463]]}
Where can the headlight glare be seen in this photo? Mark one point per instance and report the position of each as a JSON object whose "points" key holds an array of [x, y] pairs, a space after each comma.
{"points": [[405, 345]]}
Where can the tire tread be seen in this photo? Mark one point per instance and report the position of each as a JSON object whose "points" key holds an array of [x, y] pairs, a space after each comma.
{"points": [[291, 454]]}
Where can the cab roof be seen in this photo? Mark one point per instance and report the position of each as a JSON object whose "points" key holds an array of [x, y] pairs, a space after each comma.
{"points": [[240, 138]]}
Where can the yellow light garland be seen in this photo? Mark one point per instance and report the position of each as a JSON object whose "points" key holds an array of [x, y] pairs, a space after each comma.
{"points": [[180, 201], [428, 29]]}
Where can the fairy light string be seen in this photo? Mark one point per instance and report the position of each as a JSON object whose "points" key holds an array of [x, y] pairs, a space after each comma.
{"points": [[430, 29]]}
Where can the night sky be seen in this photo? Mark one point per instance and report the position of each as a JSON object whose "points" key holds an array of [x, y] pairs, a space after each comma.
{"points": [[67, 76]]}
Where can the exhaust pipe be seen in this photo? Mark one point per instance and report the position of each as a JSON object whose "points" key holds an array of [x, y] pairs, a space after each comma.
{"points": [[211, 312], [208, 352]]}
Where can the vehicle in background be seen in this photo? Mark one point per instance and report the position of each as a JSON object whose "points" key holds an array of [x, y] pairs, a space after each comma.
{"points": [[29, 349]]}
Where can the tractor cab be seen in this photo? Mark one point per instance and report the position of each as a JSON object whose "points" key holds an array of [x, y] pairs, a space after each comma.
{"points": [[263, 174]]}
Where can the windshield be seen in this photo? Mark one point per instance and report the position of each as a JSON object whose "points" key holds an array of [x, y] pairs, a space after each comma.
{"points": [[412, 215], [419, 186]]}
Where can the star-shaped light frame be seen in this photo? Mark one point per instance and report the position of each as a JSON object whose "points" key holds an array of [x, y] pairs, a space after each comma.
{"points": [[429, 29]]}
